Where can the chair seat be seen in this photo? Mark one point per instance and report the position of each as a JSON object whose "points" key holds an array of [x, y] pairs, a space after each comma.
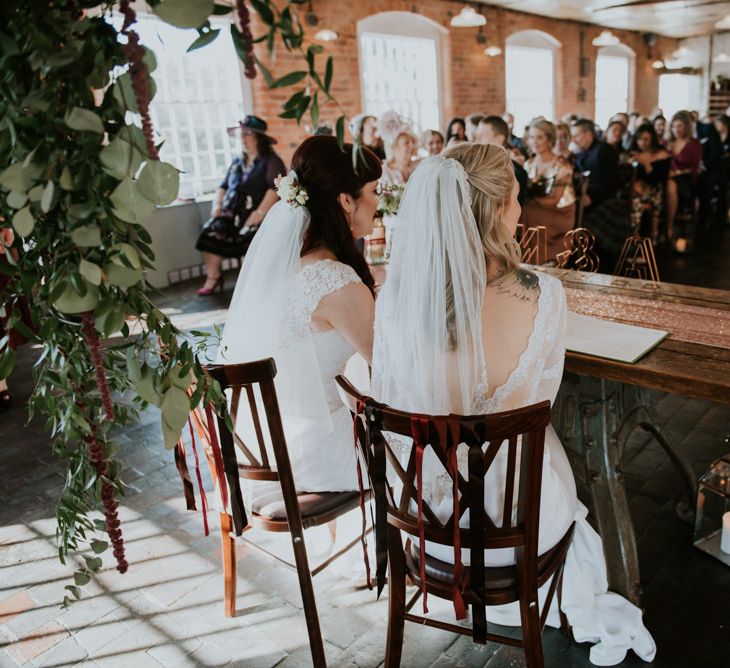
{"points": [[311, 505], [495, 578]]}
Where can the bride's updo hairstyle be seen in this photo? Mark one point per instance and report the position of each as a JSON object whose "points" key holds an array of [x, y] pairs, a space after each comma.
{"points": [[326, 170], [491, 176]]}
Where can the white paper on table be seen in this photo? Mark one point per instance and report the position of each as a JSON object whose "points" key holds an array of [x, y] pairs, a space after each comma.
{"points": [[611, 340]]}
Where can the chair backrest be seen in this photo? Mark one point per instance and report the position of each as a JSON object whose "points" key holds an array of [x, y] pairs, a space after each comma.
{"points": [[485, 436], [581, 181], [251, 460]]}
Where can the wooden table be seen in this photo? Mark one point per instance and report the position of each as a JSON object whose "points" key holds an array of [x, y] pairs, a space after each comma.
{"points": [[601, 402]]}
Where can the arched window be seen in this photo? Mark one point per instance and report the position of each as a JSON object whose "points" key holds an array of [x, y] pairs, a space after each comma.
{"points": [[400, 66], [614, 82], [530, 60]]}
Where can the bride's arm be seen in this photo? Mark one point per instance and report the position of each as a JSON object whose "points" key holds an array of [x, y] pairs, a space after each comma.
{"points": [[351, 311]]}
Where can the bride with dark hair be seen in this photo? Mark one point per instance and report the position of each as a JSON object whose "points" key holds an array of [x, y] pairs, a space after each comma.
{"points": [[305, 298]]}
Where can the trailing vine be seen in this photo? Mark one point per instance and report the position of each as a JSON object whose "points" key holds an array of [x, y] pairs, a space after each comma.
{"points": [[77, 183]]}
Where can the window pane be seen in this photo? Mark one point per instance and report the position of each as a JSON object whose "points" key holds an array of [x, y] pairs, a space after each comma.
{"points": [[612, 87], [198, 96], [401, 73], [679, 91], [529, 82]]}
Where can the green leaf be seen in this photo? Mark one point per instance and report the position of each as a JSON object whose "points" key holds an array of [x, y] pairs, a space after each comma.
{"points": [[124, 277], [16, 199], [35, 193], [66, 181], [170, 436], [19, 177], [146, 387], [289, 79], [70, 302], [81, 579], [83, 120], [221, 10], [94, 563], [7, 360], [120, 158], [23, 222], [86, 236], [159, 182], [175, 379], [47, 197], [340, 131], [184, 13], [150, 60], [263, 9], [90, 271], [314, 111], [268, 78], [295, 100], [98, 546], [129, 252], [129, 204], [175, 408], [134, 135], [328, 75], [204, 38], [110, 323], [74, 590], [134, 369]]}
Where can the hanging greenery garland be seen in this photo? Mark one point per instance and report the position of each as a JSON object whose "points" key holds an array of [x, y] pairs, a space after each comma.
{"points": [[77, 183]]}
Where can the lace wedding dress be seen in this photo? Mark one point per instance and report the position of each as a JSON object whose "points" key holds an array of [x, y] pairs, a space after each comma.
{"points": [[414, 368]]}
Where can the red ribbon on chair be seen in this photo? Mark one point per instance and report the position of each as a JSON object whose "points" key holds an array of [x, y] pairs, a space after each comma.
{"points": [[361, 487], [217, 457], [203, 499], [182, 468], [459, 605], [419, 432]]}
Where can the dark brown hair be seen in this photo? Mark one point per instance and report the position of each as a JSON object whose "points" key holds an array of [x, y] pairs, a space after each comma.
{"points": [[326, 170]]}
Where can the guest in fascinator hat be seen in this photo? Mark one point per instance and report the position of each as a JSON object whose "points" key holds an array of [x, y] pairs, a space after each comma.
{"points": [[392, 126]]}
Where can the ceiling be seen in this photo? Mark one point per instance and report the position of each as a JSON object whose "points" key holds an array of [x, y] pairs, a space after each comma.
{"points": [[674, 18]]}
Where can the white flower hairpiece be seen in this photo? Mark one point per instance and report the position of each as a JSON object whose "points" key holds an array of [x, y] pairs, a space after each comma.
{"points": [[290, 190]]}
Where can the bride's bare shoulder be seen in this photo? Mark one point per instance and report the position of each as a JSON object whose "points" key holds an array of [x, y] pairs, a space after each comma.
{"points": [[521, 284]]}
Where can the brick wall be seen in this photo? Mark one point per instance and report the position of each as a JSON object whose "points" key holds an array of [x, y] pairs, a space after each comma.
{"points": [[472, 82]]}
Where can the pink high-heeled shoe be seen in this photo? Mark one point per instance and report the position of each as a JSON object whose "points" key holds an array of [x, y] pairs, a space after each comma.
{"points": [[217, 285]]}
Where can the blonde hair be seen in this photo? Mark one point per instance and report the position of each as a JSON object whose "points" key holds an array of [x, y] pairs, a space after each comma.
{"points": [[547, 128], [491, 175]]}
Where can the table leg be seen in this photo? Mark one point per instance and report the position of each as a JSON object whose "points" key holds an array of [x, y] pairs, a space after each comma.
{"points": [[594, 418]]}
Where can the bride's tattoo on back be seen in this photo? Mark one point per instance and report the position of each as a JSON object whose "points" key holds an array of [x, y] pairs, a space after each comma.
{"points": [[521, 284]]}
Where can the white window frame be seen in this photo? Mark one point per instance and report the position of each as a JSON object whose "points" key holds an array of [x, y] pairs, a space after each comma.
{"points": [[407, 24], [535, 39], [617, 51]]}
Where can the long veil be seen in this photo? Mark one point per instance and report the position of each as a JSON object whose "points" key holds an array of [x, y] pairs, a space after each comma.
{"points": [[257, 325], [428, 354]]}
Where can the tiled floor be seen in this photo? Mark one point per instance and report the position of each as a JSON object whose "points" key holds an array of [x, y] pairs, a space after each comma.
{"points": [[167, 610]]}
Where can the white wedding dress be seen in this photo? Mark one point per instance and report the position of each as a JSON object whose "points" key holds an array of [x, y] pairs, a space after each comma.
{"points": [[415, 368]]}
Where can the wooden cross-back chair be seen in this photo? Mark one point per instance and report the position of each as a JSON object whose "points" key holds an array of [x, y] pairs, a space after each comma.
{"points": [[475, 585], [251, 387]]}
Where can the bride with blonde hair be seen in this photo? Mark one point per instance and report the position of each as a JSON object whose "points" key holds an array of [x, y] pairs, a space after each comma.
{"points": [[461, 327]]}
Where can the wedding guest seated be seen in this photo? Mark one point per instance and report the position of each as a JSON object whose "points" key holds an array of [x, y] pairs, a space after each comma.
{"points": [[472, 123], [461, 328], [514, 141], [709, 177], [614, 137], [493, 130], [364, 129], [242, 200], [660, 127], [562, 143], [550, 194], [305, 298], [603, 213], [433, 141], [682, 184], [456, 132], [652, 171], [401, 144]]}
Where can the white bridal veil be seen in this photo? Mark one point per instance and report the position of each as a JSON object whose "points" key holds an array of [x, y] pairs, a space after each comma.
{"points": [[428, 353], [257, 326]]}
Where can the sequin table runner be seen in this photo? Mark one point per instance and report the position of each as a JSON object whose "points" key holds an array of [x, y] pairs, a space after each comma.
{"points": [[691, 324]]}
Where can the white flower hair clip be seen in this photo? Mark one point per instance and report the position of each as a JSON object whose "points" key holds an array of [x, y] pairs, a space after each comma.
{"points": [[290, 190]]}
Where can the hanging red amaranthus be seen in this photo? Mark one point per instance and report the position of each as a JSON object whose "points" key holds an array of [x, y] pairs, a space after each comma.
{"points": [[138, 71], [244, 19], [96, 453]]}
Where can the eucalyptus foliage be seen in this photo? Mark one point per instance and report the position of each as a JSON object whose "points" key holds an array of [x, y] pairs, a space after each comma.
{"points": [[78, 180]]}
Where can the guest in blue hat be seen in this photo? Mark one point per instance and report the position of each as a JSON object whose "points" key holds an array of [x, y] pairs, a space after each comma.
{"points": [[242, 200]]}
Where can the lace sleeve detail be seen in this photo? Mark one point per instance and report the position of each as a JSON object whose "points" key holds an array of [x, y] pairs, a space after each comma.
{"points": [[314, 282]]}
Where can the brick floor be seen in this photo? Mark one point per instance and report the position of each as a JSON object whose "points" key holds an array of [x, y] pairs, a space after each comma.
{"points": [[167, 610]]}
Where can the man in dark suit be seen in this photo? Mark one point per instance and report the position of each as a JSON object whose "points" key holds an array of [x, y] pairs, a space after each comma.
{"points": [[493, 130], [605, 214]]}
